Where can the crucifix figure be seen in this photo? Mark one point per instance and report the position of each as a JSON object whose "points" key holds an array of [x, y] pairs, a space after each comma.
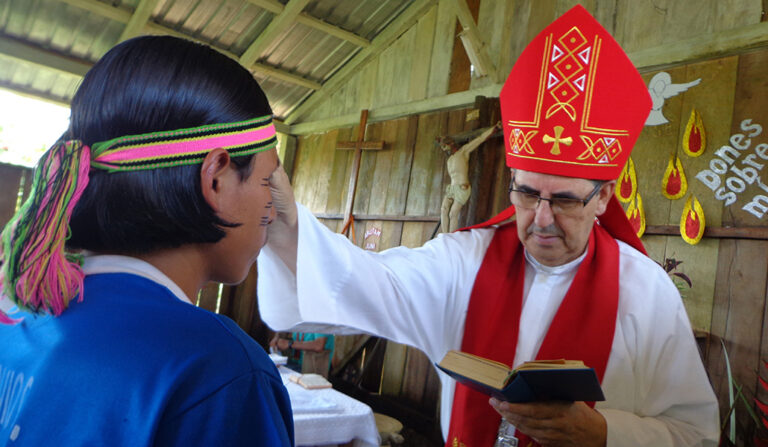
{"points": [[358, 146], [458, 192]]}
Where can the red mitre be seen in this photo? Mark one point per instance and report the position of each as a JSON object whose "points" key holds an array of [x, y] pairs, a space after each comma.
{"points": [[573, 104]]}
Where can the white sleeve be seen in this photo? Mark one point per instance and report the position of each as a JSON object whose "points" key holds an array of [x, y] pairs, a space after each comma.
{"points": [[416, 296], [672, 400]]}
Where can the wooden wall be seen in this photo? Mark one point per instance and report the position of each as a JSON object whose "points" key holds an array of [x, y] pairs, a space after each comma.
{"points": [[418, 65]]}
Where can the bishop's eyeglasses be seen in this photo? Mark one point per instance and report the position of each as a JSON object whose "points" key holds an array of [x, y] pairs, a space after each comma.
{"points": [[560, 205]]}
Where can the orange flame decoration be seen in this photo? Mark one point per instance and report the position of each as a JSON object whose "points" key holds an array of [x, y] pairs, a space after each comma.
{"points": [[674, 185], [636, 215], [695, 138], [692, 222], [626, 186]]}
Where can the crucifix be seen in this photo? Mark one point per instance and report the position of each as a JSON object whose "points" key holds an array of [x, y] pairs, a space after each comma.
{"points": [[358, 146]]}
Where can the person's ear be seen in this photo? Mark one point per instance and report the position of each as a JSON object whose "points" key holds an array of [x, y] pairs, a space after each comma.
{"points": [[214, 175], [604, 195]]}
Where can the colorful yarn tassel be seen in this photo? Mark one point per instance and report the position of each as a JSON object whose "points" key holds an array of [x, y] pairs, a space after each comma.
{"points": [[37, 274]]}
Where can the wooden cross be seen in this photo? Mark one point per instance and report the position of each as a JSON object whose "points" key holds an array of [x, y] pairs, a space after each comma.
{"points": [[358, 147], [557, 140]]}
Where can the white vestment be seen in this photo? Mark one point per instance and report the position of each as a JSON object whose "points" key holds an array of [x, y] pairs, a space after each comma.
{"points": [[657, 392]]}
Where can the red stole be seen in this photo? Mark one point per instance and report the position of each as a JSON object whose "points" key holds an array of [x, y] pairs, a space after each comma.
{"points": [[582, 328]]}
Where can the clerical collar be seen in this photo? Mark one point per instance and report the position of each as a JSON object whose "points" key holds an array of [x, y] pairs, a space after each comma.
{"points": [[556, 270], [94, 264]]}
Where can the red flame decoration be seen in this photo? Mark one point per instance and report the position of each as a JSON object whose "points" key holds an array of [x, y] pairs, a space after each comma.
{"points": [[692, 224], [694, 142]]}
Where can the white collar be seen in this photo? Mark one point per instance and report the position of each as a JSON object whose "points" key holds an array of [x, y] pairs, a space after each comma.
{"points": [[556, 270], [94, 264]]}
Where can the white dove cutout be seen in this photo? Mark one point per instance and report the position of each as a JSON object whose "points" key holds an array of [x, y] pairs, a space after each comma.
{"points": [[661, 88]]}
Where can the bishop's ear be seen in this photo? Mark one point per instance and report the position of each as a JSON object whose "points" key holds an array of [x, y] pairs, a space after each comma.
{"points": [[216, 176], [604, 196]]}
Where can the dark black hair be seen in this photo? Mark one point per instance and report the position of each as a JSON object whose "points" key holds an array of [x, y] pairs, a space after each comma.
{"points": [[149, 84]]}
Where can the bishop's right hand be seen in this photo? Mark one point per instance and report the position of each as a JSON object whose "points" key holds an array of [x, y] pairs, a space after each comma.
{"points": [[283, 233]]}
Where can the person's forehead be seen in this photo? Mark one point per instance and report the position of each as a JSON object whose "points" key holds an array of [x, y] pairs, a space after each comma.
{"points": [[537, 179]]}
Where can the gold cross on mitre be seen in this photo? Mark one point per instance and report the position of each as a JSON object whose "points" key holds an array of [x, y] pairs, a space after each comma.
{"points": [[557, 140]]}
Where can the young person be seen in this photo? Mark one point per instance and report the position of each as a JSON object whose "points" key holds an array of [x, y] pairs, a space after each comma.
{"points": [[161, 183]]}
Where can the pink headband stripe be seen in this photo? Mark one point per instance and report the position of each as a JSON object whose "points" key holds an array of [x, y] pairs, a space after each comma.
{"points": [[204, 144]]}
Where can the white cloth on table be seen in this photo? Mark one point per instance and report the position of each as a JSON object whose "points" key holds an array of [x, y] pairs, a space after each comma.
{"points": [[326, 416], [657, 392]]}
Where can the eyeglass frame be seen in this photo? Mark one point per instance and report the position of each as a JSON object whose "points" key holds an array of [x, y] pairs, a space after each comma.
{"points": [[584, 201]]}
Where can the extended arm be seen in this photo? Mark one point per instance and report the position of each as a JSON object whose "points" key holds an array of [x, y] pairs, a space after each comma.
{"points": [[480, 139], [318, 281]]}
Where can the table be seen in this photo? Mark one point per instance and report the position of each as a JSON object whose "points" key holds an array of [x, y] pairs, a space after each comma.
{"points": [[328, 417]]}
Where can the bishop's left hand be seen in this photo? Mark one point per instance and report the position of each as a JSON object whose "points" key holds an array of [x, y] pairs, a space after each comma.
{"points": [[556, 424]]}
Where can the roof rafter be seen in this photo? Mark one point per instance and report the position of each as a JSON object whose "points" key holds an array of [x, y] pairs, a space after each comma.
{"points": [[24, 51], [277, 26], [276, 7], [384, 39], [138, 19], [123, 15], [473, 43]]}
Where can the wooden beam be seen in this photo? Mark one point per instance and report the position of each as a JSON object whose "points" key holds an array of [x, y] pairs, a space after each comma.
{"points": [[757, 233], [276, 7], [452, 101], [123, 15], [404, 21], [473, 42], [33, 54], [381, 217], [708, 46], [277, 26], [139, 19]]}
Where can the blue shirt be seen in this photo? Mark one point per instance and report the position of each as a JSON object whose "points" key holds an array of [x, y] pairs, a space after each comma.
{"points": [[134, 365]]}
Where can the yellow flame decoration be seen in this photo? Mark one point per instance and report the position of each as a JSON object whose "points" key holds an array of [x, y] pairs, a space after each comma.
{"points": [[694, 131], [636, 215], [628, 178], [673, 166], [692, 222]]}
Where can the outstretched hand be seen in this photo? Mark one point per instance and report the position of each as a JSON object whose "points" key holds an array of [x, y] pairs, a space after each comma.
{"points": [[556, 424], [283, 233]]}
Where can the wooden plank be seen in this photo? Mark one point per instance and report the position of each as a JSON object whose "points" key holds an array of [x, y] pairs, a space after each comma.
{"points": [[714, 101], [442, 50], [404, 21], [756, 233], [422, 51], [279, 24], [719, 44], [351, 145], [10, 179], [139, 19], [473, 42], [451, 101], [276, 7], [33, 54], [739, 310]]}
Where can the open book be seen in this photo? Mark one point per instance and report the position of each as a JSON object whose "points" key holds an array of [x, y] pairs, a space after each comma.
{"points": [[540, 380], [310, 381]]}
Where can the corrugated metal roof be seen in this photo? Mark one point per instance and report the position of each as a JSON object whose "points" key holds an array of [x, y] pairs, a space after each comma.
{"points": [[40, 40]]}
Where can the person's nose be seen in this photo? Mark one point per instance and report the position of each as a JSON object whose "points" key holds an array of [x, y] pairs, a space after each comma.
{"points": [[543, 214]]}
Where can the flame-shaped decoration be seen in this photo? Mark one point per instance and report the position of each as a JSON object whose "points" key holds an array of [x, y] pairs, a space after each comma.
{"points": [[674, 185], [695, 138], [626, 186], [636, 215], [692, 222]]}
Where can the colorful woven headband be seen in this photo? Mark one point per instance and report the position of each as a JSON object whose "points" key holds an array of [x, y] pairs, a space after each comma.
{"points": [[36, 272]]}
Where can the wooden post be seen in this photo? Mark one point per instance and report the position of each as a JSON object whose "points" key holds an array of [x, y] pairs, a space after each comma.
{"points": [[358, 146]]}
